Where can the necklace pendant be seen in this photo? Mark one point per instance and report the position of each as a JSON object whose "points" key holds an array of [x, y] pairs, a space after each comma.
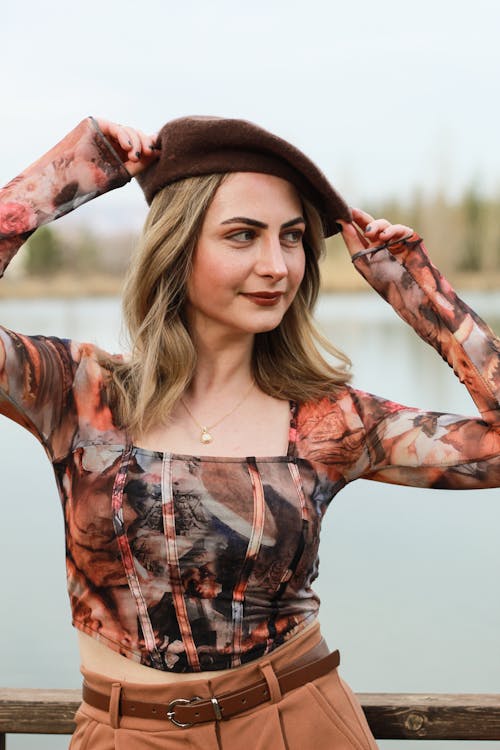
{"points": [[205, 436]]}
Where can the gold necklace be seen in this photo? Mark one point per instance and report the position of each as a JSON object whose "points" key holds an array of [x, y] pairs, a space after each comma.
{"points": [[206, 434]]}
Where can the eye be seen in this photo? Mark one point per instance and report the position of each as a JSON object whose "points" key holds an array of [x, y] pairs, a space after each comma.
{"points": [[293, 236], [245, 235]]}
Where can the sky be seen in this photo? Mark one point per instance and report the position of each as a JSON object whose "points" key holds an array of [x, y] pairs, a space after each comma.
{"points": [[388, 97]]}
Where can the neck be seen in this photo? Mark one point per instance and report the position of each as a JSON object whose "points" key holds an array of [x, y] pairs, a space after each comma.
{"points": [[222, 362]]}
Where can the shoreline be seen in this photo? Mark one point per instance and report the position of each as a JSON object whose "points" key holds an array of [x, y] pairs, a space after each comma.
{"points": [[65, 286]]}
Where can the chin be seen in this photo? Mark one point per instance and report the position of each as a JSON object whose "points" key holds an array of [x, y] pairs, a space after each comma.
{"points": [[265, 328]]}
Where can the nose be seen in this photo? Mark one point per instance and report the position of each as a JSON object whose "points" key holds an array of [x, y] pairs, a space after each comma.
{"points": [[271, 261]]}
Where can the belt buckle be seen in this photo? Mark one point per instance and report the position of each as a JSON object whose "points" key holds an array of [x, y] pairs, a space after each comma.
{"points": [[183, 702]]}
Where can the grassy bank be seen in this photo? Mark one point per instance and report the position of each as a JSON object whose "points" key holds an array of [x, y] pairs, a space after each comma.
{"points": [[61, 285], [463, 238], [338, 275]]}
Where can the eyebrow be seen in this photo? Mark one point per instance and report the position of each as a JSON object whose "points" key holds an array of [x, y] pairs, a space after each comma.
{"points": [[261, 224]]}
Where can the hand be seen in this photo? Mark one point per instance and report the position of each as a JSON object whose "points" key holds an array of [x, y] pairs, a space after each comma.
{"points": [[136, 149], [365, 232]]}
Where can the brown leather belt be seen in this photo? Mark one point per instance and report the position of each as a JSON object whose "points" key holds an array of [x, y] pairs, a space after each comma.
{"points": [[184, 712]]}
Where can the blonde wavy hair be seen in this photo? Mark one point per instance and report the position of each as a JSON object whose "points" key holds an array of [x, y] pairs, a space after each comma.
{"points": [[287, 361]]}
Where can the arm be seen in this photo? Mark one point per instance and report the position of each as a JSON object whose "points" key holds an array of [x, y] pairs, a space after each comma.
{"points": [[36, 373], [80, 167], [409, 446]]}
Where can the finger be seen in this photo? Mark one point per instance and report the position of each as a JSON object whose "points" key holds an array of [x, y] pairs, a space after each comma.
{"points": [[372, 228], [362, 218], [352, 237], [148, 143], [143, 145], [133, 141], [155, 142], [375, 229], [141, 140], [395, 232], [138, 165], [119, 133]]}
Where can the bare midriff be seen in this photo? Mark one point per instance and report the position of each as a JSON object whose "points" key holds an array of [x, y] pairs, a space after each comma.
{"points": [[95, 657]]}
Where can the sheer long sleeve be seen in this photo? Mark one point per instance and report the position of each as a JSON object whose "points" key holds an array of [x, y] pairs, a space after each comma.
{"points": [[409, 446], [37, 373], [353, 434]]}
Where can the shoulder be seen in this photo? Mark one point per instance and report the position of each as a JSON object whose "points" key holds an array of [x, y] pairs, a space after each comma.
{"points": [[89, 354], [51, 358], [336, 405], [91, 395], [331, 435], [343, 416], [93, 369], [333, 418]]}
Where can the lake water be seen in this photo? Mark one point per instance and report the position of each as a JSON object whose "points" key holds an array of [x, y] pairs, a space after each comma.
{"points": [[408, 577]]}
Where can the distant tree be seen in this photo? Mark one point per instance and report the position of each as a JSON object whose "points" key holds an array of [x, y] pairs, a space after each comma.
{"points": [[472, 207], [87, 255], [43, 254]]}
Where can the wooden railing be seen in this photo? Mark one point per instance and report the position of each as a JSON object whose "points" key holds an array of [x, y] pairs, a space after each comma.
{"points": [[395, 716]]}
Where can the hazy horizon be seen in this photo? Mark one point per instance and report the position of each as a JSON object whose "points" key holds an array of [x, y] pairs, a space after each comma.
{"points": [[386, 99]]}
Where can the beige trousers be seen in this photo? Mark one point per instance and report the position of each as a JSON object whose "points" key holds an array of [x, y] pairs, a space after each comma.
{"points": [[321, 715]]}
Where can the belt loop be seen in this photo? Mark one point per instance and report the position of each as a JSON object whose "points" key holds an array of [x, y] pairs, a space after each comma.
{"points": [[114, 705], [272, 681]]}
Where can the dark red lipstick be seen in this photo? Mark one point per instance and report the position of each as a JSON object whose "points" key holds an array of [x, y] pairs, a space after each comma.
{"points": [[265, 299]]}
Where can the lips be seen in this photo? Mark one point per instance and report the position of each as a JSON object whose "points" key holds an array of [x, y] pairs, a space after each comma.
{"points": [[263, 298], [264, 295]]}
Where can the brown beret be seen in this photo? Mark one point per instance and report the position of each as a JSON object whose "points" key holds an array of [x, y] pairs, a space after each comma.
{"points": [[192, 146]]}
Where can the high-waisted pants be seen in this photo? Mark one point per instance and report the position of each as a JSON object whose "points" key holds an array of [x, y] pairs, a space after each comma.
{"points": [[320, 715]]}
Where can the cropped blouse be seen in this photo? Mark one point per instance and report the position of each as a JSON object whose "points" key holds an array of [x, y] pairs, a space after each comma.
{"points": [[189, 563]]}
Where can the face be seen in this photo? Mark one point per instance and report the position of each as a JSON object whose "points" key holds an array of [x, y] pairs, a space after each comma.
{"points": [[249, 260]]}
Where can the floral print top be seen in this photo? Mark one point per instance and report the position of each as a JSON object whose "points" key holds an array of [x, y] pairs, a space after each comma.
{"points": [[188, 563]]}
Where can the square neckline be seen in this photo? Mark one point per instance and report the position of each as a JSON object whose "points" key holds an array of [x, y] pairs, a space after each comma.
{"points": [[289, 455]]}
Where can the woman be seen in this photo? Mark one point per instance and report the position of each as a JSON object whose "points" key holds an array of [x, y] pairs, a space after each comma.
{"points": [[194, 473]]}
